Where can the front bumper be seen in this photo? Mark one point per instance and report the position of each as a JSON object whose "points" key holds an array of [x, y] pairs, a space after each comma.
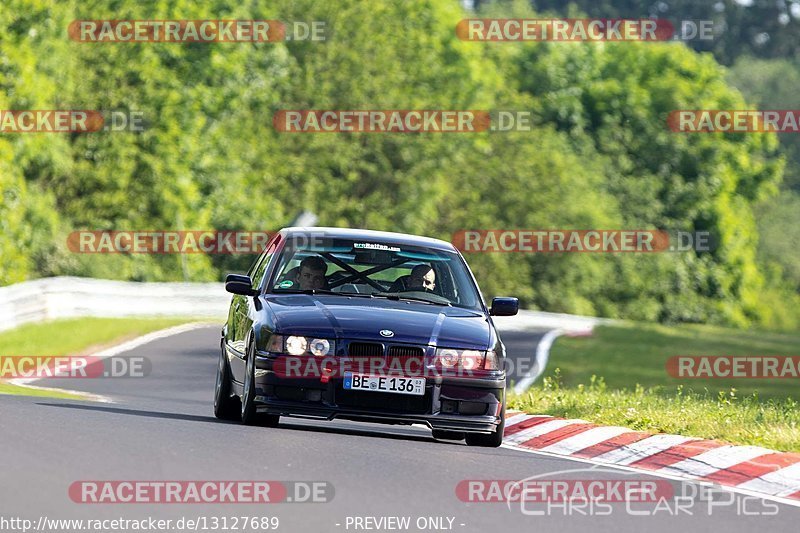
{"points": [[468, 404]]}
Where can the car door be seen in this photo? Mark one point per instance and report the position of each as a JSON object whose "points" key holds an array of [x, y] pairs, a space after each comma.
{"points": [[244, 311]]}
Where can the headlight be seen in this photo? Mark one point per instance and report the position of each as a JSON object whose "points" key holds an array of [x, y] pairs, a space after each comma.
{"points": [[447, 358], [319, 347], [296, 345], [466, 359]]}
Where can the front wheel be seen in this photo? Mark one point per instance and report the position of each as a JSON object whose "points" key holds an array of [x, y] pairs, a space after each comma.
{"points": [[249, 414], [491, 440], [225, 405]]}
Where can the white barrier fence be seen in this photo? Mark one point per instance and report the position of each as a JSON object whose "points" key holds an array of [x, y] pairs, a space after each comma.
{"points": [[67, 297]]}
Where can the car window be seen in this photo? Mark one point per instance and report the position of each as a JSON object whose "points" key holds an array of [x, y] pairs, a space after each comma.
{"points": [[261, 266], [350, 267]]}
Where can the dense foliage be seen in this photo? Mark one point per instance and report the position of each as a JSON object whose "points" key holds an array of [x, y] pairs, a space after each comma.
{"points": [[599, 155]]}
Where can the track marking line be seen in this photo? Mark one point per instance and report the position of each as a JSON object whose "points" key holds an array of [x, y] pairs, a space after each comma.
{"points": [[715, 460], [542, 355], [540, 429], [787, 479], [116, 350], [558, 435], [739, 489], [586, 439], [635, 451], [750, 470], [677, 454], [755, 468]]}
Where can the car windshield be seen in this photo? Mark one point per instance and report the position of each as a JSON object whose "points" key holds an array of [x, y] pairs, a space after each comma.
{"points": [[376, 270]]}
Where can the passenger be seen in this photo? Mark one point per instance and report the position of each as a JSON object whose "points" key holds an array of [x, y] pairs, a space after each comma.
{"points": [[422, 278]]}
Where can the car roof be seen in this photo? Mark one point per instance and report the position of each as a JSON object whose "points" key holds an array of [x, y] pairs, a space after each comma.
{"points": [[384, 237]]}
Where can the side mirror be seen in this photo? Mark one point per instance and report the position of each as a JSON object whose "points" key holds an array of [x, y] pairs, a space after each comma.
{"points": [[238, 284], [503, 306]]}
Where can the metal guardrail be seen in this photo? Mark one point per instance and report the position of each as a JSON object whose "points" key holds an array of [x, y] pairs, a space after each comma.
{"points": [[67, 297]]}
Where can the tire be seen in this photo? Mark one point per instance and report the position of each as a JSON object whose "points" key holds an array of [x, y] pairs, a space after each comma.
{"points": [[441, 434], [490, 440], [226, 407], [249, 415], [270, 421]]}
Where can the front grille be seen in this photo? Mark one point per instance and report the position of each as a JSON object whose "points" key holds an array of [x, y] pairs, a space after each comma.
{"points": [[406, 351], [408, 360], [365, 349]]}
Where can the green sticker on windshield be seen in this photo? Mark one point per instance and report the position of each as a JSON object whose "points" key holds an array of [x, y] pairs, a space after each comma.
{"points": [[285, 284]]}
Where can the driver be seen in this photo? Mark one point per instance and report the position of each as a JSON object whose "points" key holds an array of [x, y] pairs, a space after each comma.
{"points": [[312, 273], [422, 278]]}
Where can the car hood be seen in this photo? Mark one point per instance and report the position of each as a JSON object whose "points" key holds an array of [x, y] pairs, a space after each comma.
{"points": [[360, 318]]}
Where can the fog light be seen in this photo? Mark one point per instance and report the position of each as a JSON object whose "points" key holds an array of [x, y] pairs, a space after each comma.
{"points": [[449, 406], [472, 408], [314, 395]]}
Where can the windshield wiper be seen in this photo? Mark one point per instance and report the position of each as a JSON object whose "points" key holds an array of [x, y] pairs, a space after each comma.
{"points": [[328, 291], [317, 291], [396, 296], [358, 294], [387, 295]]}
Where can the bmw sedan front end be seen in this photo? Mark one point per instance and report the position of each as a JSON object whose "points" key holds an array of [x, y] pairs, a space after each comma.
{"points": [[355, 324]]}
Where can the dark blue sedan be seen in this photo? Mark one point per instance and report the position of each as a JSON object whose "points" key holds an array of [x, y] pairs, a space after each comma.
{"points": [[363, 325]]}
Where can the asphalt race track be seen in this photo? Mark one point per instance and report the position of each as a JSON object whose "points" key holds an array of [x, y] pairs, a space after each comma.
{"points": [[161, 427]]}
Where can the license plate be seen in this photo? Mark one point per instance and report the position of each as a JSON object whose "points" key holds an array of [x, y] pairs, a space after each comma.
{"points": [[399, 385]]}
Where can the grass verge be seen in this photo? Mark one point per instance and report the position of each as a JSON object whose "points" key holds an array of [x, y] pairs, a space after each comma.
{"points": [[73, 337], [618, 377], [725, 416]]}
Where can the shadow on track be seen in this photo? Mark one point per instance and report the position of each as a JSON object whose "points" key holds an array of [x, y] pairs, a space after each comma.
{"points": [[148, 414], [283, 425]]}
